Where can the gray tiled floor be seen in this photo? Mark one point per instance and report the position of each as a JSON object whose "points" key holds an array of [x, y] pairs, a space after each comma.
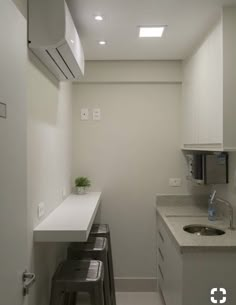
{"points": [[138, 298], [128, 298]]}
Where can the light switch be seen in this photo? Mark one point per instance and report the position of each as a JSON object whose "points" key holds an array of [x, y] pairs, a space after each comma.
{"points": [[3, 110], [84, 114], [41, 209], [96, 114]]}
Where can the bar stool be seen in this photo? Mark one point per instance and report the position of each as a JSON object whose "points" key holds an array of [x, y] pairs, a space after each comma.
{"points": [[78, 276], [96, 249], [103, 230]]}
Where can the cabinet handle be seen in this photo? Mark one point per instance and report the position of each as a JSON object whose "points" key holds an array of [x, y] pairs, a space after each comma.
{"points": [[161, 255], [161, 236], [159, 267]]}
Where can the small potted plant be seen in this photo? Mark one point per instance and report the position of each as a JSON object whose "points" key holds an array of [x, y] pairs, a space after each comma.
{"points": [[82, 183]]}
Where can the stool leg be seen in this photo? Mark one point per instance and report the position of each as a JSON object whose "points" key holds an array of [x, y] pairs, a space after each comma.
{"points": [[110, 265], [93, 297], [66, 299], [56, 296], [98, 295], [71, 298], [107, 285]]}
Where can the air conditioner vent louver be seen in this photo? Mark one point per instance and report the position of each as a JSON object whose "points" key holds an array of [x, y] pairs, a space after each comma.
{"points": [[56, 64]]}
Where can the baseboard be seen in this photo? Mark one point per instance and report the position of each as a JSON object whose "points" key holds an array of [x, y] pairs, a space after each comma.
{"points": [[131, 284]]}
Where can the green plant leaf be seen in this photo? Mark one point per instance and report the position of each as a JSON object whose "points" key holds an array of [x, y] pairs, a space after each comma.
{"points": [[82, 182]]}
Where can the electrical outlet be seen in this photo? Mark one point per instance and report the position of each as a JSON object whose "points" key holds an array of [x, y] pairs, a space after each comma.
{"points": [[63, 193], [84, 114], [41, 209], [175, 182]]}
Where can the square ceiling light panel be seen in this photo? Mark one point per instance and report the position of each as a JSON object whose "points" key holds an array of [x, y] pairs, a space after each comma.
{"points": [[151, 31]]}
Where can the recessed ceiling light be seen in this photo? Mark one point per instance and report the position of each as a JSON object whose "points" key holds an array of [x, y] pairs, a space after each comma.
{"points": [[98, 18], [151, 31], [102, 42]]}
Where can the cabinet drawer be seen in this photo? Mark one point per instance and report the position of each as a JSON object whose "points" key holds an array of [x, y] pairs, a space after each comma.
{"points": [[160, 273], [160, 235], [162, 265], [160, 254], [162, 242]]}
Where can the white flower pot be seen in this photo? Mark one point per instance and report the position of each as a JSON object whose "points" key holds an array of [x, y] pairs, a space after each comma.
{"points": [[81, 190]]}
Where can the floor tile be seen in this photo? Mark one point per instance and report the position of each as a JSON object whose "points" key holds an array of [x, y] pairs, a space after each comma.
{"points": [[138, 298], [128, 298]]}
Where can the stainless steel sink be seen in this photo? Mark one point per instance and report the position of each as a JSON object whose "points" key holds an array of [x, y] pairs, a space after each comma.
{"points": [[202, 230]]}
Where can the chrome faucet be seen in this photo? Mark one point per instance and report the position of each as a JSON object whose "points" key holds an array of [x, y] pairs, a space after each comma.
{"points": [[228, 204]]}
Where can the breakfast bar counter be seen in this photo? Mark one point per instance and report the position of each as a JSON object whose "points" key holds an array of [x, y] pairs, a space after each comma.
{"points": [[71, 221]]}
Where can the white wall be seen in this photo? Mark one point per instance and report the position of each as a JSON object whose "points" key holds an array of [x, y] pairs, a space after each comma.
{"points": [[43, 155], [130, 155], [135, 71], [22, 6], [49, 165], [13, 186]]}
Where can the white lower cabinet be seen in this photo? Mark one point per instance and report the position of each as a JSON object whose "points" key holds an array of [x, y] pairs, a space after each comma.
{"points": [[188, 278], [169, 268]]}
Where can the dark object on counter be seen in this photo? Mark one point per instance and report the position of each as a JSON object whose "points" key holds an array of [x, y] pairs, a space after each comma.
{"points": [[78, 276]]}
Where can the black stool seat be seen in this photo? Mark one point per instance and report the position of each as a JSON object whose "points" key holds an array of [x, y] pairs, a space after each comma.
{"points": [[78, 276], [78, 272], [96, 248], [98, 229], [92, 244]]}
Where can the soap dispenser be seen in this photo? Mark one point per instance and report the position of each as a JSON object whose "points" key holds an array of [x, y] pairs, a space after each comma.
{"points": [[212, 207]]}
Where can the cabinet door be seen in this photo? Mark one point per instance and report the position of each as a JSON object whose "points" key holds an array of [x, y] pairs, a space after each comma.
{"points": [[210, 81], [169, 268], [203, 94], [189, 113]]}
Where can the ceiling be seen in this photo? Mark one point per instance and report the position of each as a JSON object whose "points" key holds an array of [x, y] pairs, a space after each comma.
{"points": [[188, 21]]}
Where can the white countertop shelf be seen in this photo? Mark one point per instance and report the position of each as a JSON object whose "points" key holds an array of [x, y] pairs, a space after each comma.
{"points": [[71, 221]]}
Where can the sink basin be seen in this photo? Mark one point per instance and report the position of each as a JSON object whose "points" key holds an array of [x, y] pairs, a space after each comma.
{"points": [[202, 230]]}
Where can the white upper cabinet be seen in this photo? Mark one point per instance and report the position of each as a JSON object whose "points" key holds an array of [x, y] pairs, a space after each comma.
{"points": [[209, 90]]}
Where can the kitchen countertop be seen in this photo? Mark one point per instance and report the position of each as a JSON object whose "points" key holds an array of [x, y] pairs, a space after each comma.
{"points": [[179, 211], [71, 221]]}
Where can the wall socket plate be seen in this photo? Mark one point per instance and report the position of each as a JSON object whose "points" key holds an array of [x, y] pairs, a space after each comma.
{"points": [[96, 114], [64, 193], [3, 110], [41, 209], [84, 114], [175, 182]]}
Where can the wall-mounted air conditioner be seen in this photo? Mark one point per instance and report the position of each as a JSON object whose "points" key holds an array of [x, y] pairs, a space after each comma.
{"points": [[53, 38]]}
